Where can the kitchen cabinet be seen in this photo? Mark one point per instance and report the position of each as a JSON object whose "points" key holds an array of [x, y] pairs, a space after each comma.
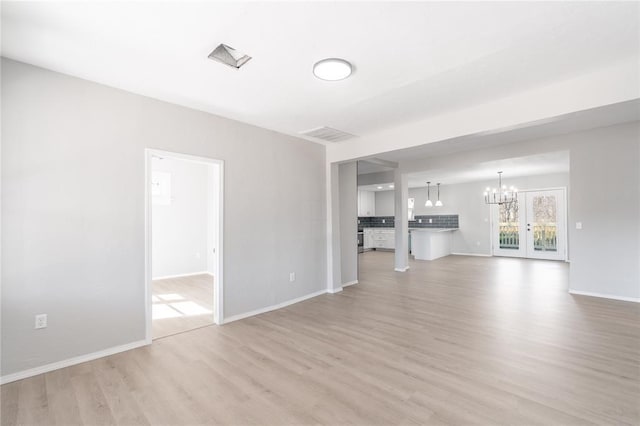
{"points": [[368, 238], [366, 203], [383, 238], [430, 244]]}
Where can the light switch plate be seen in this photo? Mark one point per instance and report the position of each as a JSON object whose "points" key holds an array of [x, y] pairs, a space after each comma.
{"points": [[578, 225]]}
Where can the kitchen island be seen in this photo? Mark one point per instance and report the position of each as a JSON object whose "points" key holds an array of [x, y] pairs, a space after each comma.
{"points": [[431, 243]]}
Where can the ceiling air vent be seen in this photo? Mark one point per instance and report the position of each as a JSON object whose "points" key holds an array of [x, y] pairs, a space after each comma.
{"points": [[328, 134], [229, 56]]}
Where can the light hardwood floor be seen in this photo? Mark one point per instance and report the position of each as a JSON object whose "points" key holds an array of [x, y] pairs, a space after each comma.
{"points": [[181, 304], [459, 340]]}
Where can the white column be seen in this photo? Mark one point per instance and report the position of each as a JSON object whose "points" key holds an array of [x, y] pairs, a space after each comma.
{"points": [[401, 195]]}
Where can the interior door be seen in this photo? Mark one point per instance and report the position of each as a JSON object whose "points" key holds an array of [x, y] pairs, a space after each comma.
{"points": [[546, 224], [509, 229]]}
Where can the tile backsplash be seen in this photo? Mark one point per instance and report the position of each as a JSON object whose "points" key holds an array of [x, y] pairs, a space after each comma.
{"points": [[437, 221]]}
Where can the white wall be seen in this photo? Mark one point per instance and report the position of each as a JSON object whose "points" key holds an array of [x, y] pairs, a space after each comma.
{"points": [[467, 201], [73, 212], [180, 229]]}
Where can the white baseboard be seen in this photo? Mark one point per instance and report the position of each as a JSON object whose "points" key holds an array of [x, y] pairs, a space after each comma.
{"points": [[272, 307], [71, 361], [350, 283], [471, 254], [190, 274], [405, 269], [605, 296], [334, 290]]}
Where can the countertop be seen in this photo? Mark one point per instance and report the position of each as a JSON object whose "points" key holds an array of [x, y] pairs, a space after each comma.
{"points": [[415, 229], [433, 229]]}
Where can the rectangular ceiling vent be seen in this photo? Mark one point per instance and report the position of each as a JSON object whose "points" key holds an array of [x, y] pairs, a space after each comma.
{"points": [[328, 134]]}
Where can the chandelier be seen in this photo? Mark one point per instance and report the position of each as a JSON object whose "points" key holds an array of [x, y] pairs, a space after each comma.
{"points": [[501, 195]]}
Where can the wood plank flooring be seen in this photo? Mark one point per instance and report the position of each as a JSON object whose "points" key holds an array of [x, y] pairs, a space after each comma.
{"points": [[459, 341], [181, 304]]}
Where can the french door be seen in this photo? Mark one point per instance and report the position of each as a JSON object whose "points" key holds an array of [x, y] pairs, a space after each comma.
{"points": [[534, 227]]}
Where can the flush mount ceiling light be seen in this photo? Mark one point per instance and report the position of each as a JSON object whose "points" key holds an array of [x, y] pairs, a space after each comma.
{"points": [[229, 56], [332, 69]]}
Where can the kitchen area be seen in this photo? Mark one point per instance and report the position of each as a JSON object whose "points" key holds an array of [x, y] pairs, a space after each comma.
{"points": [[515, 207], [430, 236]]}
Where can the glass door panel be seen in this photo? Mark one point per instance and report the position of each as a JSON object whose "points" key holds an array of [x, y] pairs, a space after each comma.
{"points": [[545, 224], [508, 229]]}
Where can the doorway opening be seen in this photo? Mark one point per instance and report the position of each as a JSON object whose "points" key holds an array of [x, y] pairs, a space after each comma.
{"points": [[535, 227], [184, 208]]}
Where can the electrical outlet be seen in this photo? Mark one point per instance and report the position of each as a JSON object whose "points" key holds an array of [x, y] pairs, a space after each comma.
{"points": [[419, 220], [578, 225], [41, 321], [292, 277], [430, 220], [384, 221]]}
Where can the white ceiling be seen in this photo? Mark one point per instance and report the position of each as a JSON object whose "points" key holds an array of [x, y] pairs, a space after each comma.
{"points": [[412, 60], [547, 163]]}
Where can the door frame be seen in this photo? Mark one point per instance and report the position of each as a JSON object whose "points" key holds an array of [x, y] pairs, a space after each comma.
{"points": [[218, 287], [523, 254]]}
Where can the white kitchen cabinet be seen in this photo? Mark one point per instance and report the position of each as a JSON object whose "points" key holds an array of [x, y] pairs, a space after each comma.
{"points": [[368, 238], [383, 238], [366, 203]]}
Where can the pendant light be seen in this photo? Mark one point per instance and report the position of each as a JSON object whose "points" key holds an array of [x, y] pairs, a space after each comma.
{"points": [[501, 195], [428, 203], [438, 203]]}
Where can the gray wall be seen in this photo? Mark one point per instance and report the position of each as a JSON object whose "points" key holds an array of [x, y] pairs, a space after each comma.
{"points": [[466, 200], [73, 211], [605, 197], [349, 222]]}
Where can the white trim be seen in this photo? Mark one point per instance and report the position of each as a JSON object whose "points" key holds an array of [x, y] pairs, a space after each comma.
{"points": [[273, 307], [190, 274], [71, 361], [553, 188], [472, 254], [218, 288], [605, 296], [334, 290], [350, 283]]}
